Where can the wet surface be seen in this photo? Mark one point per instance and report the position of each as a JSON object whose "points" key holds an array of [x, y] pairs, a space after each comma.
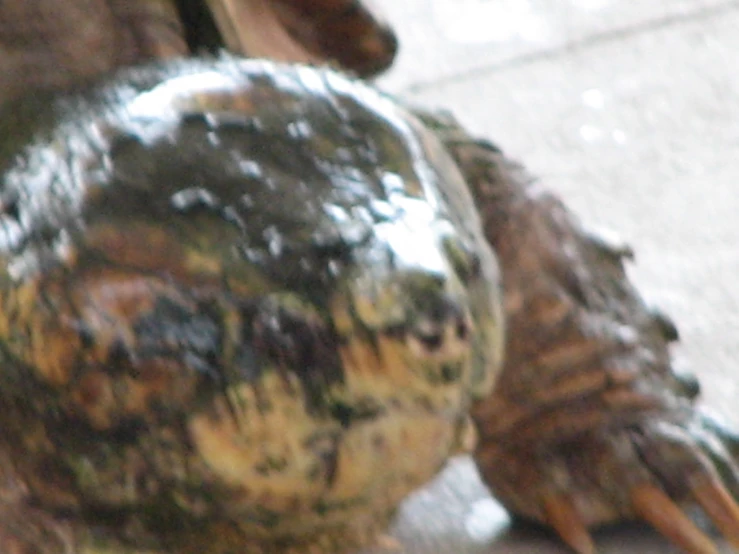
{"points": [[629, 111]]}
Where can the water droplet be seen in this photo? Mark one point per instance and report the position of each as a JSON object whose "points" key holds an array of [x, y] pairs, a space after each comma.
{"points": [[214, 139], [382, 210], [392, 182], [193, 198], [337, 213], [300, 129], [334, 268], [250, 168], [275, 240]]}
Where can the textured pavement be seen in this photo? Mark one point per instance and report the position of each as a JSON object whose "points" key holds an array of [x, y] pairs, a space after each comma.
{"points": [[630, 111]]}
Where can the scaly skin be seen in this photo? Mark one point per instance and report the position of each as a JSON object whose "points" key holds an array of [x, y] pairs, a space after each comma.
{"points": [[588, 423]]}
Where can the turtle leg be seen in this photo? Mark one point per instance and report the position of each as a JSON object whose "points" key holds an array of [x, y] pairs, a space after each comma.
{"points": [[589, 423]]}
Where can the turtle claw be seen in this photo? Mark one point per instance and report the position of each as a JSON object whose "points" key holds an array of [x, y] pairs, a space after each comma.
{"points": [[719, 506], [655, 497], [562, 515], [645, 471], [694, 462], [655, 507]]}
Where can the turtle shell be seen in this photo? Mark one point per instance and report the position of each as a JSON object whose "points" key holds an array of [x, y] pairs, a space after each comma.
{"points": [[240, 303]]}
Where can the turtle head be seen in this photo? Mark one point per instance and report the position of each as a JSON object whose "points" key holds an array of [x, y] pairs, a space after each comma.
{"points": [[241, 289]]}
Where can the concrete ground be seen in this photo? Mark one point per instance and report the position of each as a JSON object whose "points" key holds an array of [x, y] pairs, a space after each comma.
{"points": [[630, 111]]}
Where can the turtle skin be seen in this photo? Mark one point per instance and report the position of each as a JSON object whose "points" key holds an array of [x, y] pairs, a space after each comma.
{"points": [[588, 423], [109, 367]]}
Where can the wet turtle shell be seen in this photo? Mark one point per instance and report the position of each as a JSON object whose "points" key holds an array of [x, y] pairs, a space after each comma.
{"points": [[241, 303]]}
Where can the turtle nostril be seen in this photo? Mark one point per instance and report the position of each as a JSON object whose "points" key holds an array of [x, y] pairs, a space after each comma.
{"points": [[462, 329]]}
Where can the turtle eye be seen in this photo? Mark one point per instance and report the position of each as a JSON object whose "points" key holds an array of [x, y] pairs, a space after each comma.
{"points": [[418, 321], [438, 323]]}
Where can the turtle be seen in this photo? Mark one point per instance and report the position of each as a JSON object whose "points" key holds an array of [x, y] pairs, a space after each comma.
{"points": [[248, 305]]}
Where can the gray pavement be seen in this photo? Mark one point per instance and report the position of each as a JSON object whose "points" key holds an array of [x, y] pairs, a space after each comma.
{"points": [[630, 111]]}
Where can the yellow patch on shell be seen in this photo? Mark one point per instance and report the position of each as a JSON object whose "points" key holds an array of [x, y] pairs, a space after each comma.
{"points": [[39, 340], [258, 442]]}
